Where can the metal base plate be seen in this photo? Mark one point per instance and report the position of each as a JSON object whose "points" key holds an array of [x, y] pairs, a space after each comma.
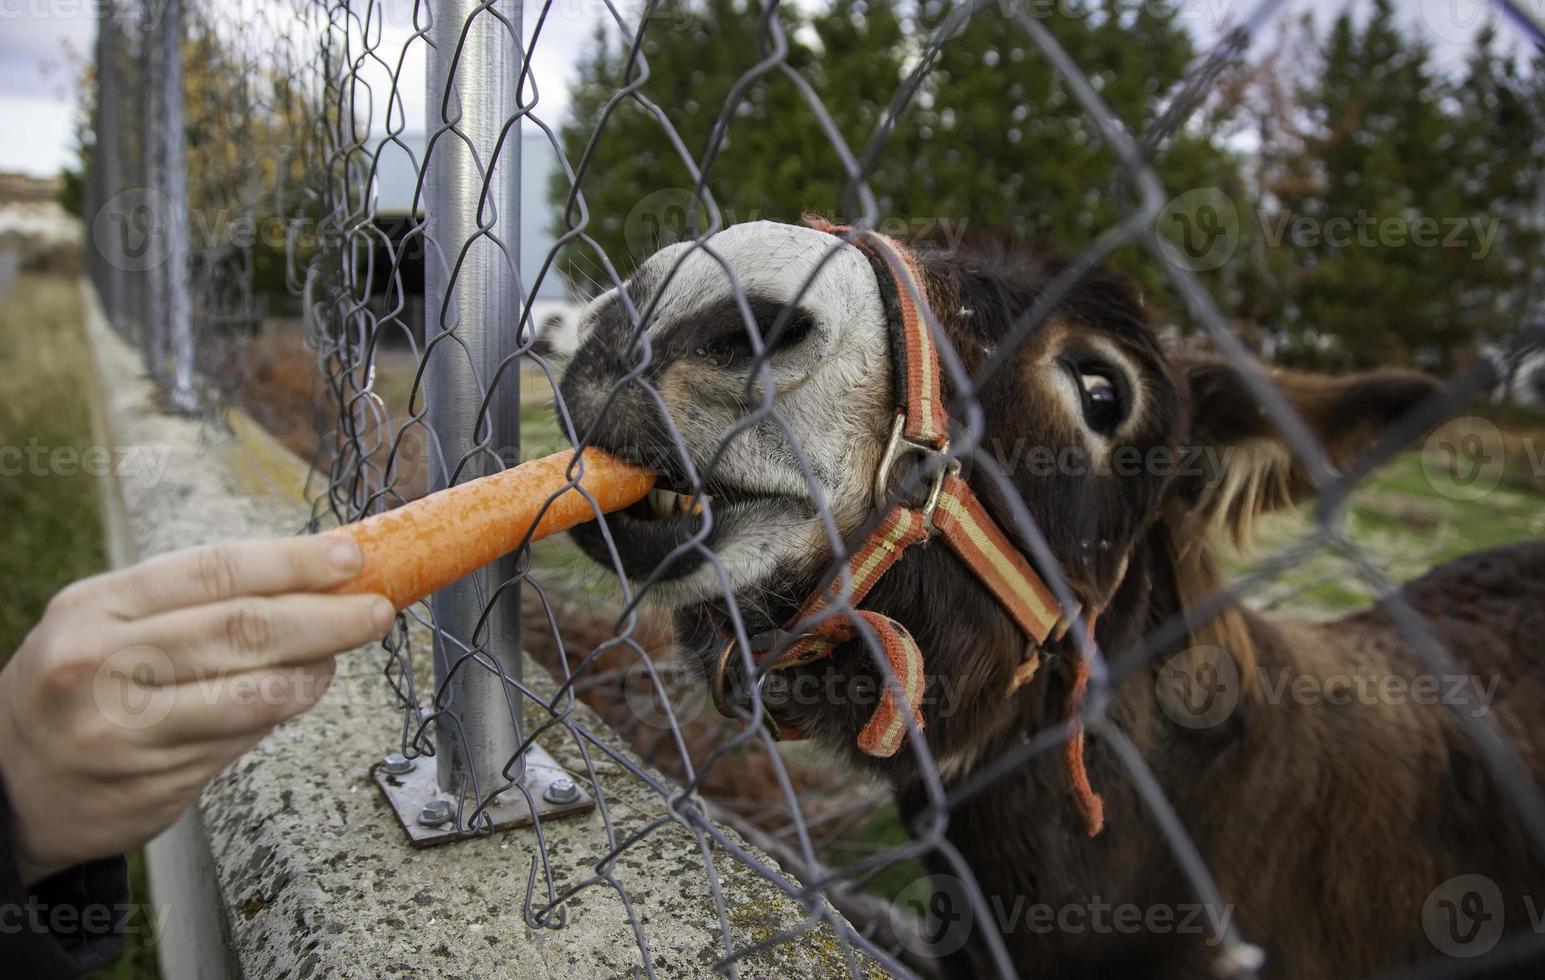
{"points": [[407, 793]]}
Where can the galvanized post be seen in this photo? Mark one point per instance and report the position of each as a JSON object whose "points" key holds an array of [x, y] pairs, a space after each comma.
{"points": [[471, 88], [104, 157], [152, 147], [174, 192], [113, 227], [131, 104], [472, 308]]}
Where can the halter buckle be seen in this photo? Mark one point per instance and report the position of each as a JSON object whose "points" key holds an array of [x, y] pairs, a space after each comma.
{"points": [[899, 446]]}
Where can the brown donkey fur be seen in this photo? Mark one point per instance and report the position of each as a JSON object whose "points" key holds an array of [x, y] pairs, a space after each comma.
{"points": [[1327, 817]]}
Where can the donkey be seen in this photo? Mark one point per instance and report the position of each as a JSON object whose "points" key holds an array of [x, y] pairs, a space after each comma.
{"points": [[1349, 833]]}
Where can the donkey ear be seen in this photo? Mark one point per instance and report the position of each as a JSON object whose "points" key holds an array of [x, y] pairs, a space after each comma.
{"points": [[1245, 466]]}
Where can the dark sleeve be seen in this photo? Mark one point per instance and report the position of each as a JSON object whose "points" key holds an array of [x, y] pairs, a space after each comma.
{"points": [[63, 926]]}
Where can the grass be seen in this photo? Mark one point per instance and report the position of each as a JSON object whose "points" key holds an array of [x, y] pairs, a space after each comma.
{"points": [[52, 532], [1405, 525]]}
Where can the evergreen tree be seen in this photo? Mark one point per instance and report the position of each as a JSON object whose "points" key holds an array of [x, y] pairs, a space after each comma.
{"points": [[992, 141], [770, 162], [1500, 108], [1384, 153], [1347, 158]]}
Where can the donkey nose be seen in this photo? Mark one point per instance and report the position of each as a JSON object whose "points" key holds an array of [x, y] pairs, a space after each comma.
{"points": [[779, 338], [788, 335]]}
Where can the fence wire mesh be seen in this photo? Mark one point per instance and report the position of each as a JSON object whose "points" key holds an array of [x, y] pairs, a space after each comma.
{"points": [[312, 205]]}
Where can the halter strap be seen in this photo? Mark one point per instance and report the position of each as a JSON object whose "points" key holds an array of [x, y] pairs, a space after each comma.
{"points": [[950, 510]]}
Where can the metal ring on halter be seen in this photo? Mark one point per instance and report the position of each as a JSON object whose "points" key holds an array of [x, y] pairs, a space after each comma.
{"points": [[720, 684], [898, 446]]}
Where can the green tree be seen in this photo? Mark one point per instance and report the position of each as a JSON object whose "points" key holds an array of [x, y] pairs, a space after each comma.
{"points": [[992, 140], [637, 183], [1500, 110], [1383, 153]]}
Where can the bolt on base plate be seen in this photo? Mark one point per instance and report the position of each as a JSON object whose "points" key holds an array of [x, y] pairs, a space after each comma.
{"points": [[415, 798]]}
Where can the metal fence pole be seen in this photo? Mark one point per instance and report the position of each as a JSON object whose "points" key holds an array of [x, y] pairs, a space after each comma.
{"points": [[152, 54], [472, 72], [105, 155], [174, 190], [133, 175]]}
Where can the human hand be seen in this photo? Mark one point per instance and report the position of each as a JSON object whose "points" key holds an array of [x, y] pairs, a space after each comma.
{"points": [[140, 685]]}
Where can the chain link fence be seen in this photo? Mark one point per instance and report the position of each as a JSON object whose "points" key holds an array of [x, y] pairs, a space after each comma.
{"points": [[271, 172]]}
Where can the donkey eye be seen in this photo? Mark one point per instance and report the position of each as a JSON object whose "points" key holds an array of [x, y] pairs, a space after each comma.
{"points": [[1103, 408]]}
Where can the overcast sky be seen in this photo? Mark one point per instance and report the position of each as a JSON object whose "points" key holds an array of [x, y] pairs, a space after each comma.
{"points": [[42, 42]]}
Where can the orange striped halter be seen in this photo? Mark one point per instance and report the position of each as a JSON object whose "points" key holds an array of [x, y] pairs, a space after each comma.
{"points": [[950, 510]]}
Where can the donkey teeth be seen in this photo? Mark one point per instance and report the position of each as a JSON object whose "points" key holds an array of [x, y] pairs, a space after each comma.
{"points": [[668, 503]]}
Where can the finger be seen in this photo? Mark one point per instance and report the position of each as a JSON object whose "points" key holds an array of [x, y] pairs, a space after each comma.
{"points": [[223, 571], [189, 765], [250, 633], [233, 705]]}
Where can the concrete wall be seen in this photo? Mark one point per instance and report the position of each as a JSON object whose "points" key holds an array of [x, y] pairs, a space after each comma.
{"points": [[294, 866]]}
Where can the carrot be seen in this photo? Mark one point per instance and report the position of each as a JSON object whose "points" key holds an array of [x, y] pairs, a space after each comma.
{"points": [[426, 545]]}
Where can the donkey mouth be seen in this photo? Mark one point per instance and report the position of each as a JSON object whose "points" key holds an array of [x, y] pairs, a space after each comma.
{"points": [[675, 529]]}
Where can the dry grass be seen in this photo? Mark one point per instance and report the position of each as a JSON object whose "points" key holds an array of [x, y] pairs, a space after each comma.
{"points": [[52, 532]]}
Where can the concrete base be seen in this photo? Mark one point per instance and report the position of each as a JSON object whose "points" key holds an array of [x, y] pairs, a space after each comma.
{"points": [[408, 793]]}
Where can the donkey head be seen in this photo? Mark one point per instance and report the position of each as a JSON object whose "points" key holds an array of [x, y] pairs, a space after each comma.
{"points": [[759, 389]]}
